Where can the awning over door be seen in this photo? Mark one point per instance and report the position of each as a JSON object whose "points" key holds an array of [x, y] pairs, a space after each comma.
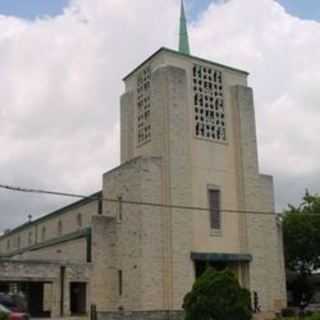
{"points": [[221, 257]]}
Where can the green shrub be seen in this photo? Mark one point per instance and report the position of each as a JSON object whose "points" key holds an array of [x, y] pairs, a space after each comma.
{"points": [[217, 296], [4, 316], [315, 316], [288, 313]]}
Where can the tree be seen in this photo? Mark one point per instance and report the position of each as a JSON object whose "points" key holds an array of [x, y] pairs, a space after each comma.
{"points": [[301, 230], [217, 296]]}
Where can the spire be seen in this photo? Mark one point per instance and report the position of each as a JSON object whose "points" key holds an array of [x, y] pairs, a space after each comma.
{"points": [[183, 36]]}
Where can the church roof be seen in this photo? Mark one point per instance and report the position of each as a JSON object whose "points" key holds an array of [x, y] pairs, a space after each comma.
{"points": [[53, 214], [164, 49]]}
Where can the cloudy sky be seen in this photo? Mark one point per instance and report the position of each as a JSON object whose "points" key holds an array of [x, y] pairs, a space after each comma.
{"points": [[61, 69]]}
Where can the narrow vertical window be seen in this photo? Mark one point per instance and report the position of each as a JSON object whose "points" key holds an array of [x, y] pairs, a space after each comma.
{"points": [[100, 204], [214, 205], [8, 245], [30, 238], [120, 280], [120, 209], [79, 220], [60, 228], [19, 242], [43, 235]]}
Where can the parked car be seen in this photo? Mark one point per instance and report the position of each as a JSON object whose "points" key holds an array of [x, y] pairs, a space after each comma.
{"points": [[12, 315], [14, 303]]}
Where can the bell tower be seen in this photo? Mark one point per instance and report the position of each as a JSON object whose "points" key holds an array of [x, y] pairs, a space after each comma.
{"points": [[197, 116]]}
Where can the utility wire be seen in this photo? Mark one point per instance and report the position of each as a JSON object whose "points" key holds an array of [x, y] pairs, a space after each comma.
{"points": [[136, 203]]}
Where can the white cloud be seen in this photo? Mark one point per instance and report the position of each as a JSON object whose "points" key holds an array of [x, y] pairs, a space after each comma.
{"points": [[281, 52], [61, 80]]}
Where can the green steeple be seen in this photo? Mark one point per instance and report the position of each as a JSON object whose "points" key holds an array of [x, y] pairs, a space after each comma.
{"points": [[183, 36]]}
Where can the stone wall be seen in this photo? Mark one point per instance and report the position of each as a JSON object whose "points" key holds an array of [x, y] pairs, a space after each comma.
{"points": [[128, 239], [70, 251], [32, 234], [48, 272], [260, 231]]}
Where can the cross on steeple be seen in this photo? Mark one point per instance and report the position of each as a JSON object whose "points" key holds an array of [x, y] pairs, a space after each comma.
{"points": [[184, 46]]}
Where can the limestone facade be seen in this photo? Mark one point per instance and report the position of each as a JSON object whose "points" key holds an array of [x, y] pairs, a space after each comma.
{"points": [[187, 128]]}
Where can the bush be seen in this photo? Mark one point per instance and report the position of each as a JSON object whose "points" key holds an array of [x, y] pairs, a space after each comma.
{"points": [[288, 313], [4, 316], [315, 316], [218, 296]]}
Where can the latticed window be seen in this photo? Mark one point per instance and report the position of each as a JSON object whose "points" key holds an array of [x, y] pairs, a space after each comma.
{"points": [[209, 108], [144, 106]]}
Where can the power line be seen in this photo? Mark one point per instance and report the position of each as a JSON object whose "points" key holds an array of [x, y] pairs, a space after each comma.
{"points": [[136, 203]]}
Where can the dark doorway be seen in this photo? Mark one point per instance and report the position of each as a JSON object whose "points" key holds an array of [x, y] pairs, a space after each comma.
{"points": [[78, 298], [4, 287], [36, 302], [32, 297], [201, 266]]}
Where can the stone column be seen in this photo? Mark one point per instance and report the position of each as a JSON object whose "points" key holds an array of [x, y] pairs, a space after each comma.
{"points": [[104, 273]]}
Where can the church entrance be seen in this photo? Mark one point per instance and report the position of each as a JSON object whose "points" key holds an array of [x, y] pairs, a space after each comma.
{"points": [[237, 263]]}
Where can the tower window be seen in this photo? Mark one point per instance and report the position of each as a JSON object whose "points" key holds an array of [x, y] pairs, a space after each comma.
{"points": [[208, 95], [144, 106], [215, 210]]}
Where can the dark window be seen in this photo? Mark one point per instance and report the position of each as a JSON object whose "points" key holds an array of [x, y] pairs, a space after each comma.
{"points": [[120, 282], [19, 242], [30, 238], [60, 228], [79, 220], [43, 236], [100, 204], [120, 208], [214, 205]]}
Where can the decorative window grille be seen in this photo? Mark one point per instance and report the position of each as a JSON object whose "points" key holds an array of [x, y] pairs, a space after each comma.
{"points": [[209, 108], [144, 106]]}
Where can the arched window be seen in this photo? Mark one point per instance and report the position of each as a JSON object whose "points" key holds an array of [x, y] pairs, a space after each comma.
{"points": [[60, 228], [43, 233], [79, 220]]}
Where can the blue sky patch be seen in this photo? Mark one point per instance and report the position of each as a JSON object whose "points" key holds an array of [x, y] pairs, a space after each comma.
{"points": [[31, 9]]}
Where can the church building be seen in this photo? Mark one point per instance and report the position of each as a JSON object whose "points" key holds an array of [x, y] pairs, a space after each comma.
{"points": [[188, 194]]}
